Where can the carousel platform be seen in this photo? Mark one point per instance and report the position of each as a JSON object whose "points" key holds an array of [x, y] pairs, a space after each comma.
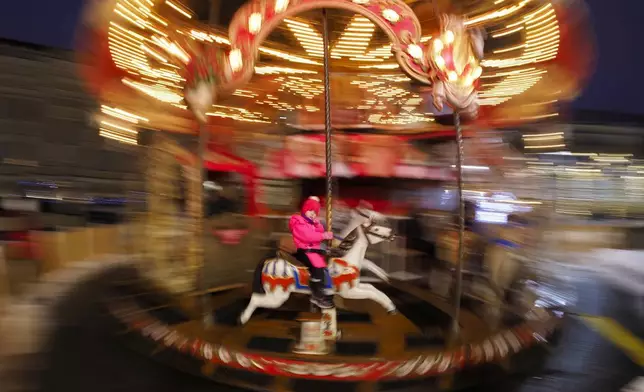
{"points": [[376, 350], [90, 349]]}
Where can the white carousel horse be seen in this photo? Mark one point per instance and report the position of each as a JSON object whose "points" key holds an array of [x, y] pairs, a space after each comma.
{"points": [[276, 279]]}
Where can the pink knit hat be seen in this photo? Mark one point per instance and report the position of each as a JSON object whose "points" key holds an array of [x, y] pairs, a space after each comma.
{"points": [[311, 204]]}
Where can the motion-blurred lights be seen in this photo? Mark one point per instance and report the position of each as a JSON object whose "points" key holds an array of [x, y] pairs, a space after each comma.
{"points": [[448, 37], [122, 114], [235, 60], [415, 51], [473, 167], [390, 15], [114, 136], [178, 9], [255, 22], [546, 146], [281, 5]]}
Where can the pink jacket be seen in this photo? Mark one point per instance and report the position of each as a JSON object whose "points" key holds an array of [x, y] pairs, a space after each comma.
{"points": [[307, 235]]}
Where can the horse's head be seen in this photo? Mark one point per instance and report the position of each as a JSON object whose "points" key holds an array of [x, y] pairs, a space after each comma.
{"points": [[374, 225]]}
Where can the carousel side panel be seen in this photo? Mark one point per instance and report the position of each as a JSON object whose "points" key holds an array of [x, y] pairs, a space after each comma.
{"points": [[172, 244]]}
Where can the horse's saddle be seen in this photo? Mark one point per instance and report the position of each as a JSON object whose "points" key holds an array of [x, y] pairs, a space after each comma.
{"points": [[289, 257]]}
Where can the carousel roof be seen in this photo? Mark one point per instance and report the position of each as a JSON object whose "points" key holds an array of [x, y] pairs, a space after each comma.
{"points": [[522, 50]]}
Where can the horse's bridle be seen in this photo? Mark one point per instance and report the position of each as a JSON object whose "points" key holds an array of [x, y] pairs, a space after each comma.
{"points": [[367, 227]]}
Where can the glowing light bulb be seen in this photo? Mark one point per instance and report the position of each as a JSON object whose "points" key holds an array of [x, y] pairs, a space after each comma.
{"points": [[440, 61], [449, 37], [452, 76], [391, 15], [415, 51], [438, 45], [235, 59], [477, 72], [254, 22], [280, 5]]}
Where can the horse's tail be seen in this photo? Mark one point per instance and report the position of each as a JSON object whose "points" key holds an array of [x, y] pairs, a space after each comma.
{"points": [[258, 286]]}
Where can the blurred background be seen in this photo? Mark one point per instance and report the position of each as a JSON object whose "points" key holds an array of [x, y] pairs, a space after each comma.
{"points": [[97, 151]]}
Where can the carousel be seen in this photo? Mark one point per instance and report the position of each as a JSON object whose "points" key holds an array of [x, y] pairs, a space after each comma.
{"points": [[427, 69]]}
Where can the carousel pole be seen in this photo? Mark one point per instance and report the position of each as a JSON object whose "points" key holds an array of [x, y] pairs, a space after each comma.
{"points": [[327, 121], [458, 286], [329, 326]]}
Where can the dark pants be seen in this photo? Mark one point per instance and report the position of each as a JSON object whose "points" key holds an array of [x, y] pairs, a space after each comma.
{"points": [[316, 283]]}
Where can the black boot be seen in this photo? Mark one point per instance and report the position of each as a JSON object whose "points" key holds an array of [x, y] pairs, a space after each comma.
{"points": [[317, 294]]}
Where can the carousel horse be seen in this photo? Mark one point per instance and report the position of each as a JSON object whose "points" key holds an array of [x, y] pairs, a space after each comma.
{"points": [[276, 279]]}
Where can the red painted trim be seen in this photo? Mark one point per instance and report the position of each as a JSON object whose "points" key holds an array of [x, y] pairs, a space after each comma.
{"points": [[415, 366]]}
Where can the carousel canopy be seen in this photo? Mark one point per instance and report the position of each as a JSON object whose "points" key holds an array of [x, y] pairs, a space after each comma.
{"points": [[135, 65]]}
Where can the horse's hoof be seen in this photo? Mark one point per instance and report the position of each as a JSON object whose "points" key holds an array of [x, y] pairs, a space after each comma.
{"points": [[392, 312]]}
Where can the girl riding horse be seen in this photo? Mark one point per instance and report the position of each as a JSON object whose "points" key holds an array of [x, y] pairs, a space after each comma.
{"points": [[308, 234]]}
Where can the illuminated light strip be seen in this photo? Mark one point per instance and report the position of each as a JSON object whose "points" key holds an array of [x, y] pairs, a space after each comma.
{"points": [[127, 31], [130, 116], [539, 135], [517, 47], [553, 24], [178, 9], [529, 16], [129, 54], [544, 21], [503, 33], [127, 18], [114, 136], [541, 44], [545, 146], [355, 38], [540, 116], [307, 36], [120, 128], [287, 56], [126, 42], [158, 19], [270, 70], [154, 54], [381, 66], [151, 27], [161, 94], [497, 13], [236, 117], [509, 73], [137, 18], [533, 21], [134, 51]]}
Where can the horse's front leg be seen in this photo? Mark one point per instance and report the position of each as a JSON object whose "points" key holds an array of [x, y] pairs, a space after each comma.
{"points": [[367, 291]]}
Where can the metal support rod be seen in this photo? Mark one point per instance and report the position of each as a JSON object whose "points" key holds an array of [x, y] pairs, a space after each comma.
{"points": [[200, 224], [327, 121], [458, 286]]}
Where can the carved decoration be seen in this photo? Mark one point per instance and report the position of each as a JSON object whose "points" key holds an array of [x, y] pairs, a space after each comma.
{"points": [[455, 57]]}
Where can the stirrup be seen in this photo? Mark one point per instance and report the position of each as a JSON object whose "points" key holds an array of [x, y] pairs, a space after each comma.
{"points": [[321, 303]]}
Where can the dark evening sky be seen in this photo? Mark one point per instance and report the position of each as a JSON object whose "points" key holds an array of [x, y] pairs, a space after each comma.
{"points": [[615, 86]]}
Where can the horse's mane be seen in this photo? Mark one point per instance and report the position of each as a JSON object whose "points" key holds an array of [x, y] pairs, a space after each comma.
{"points": [[348, 241]]}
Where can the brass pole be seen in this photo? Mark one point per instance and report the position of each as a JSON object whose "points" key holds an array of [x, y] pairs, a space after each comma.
{"points": [[458, 287], [327, 121]]}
